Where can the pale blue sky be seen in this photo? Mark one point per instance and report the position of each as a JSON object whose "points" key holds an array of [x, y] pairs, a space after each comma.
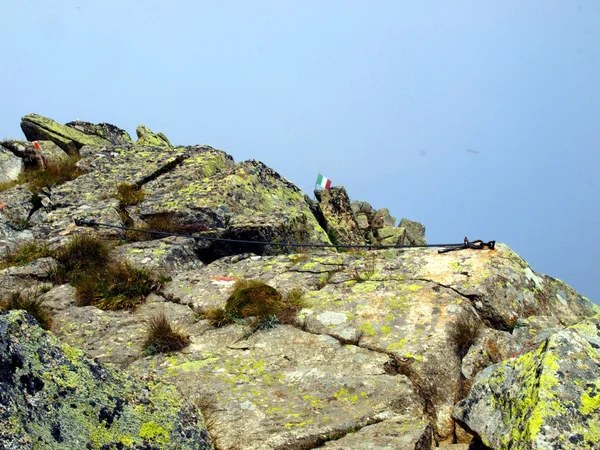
{"points": [[383, 97]]}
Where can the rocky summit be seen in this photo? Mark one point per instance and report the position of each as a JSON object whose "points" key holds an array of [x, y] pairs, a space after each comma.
{"points": [[154, 296]]}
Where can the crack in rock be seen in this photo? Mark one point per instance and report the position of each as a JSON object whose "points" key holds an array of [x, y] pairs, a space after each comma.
{"points": [[317, 441]]}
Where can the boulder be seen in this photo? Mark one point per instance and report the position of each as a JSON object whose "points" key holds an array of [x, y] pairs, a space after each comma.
{"points": [[390, 235], [55, 396], [247, 202], [148, 138], [111, 133], [415, 232], [10, 165], [340, 220], [542, 399], [39, 128]]}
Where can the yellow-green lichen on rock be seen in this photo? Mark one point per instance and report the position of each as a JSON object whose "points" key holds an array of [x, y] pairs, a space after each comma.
{"points": [[36, 127], [54, 396], [148, 138], [547, 398]]}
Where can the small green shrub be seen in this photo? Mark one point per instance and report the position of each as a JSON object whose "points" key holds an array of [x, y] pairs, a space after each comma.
{"points": [[257, 300], [161, 337], [30, 302], [116, 286], [463, 333], [129, 194], [25, 253]]}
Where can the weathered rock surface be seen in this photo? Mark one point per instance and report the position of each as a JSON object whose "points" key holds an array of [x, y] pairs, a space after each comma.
{"points": [[147, 138], [380, 353], [398, 306], [111, 133], [391, 236], [39, 128], [10, 165], [548, 398], [340, 220], [247, 202], [392, 434], [54, 396], [14, 214], [415, 232], [165, 255]]}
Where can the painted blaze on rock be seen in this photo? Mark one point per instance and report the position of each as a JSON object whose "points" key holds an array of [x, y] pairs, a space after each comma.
{"points": [[545, 399], [54, 396]]}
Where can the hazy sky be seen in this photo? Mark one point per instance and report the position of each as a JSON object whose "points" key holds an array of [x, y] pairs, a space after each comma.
{"points": [[476, 118]]}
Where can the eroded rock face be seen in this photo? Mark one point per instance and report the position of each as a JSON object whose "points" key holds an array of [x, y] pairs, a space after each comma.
{"points": [[39, 128], [106, 131], [396, 308], [544, 399], [10, 165], [247, 202], [415, 232], [147, 138], [54, 396], [341, 222]]}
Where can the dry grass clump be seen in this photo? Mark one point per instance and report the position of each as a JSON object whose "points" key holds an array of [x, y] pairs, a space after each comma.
{"points": [[262, 304], [463, 333], [85, 253], [129, 194], [85, 263], [119, 285], [32, 302], [5, 185], [25, 253], [53, 174], [161, 337]]}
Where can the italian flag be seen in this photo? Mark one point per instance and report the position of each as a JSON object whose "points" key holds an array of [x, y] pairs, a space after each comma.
{"points": [[325, 183]]}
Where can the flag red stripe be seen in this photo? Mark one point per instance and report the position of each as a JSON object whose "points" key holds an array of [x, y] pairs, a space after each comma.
{"points": [[328, 184]]}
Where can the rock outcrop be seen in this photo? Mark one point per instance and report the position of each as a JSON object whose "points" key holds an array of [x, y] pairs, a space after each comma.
{"points": [[54, 396], [340, 221], [39, 128], [10, 165], [545, 398], [393, 348]]}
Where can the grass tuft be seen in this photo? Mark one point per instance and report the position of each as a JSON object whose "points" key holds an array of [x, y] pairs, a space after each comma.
{"points": [[55, 173], [85, 253], [117, 286], [24, 254], [31, 302], [129, 194], [463, 334], [259, 302], [161, 337], [85, 263]]}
